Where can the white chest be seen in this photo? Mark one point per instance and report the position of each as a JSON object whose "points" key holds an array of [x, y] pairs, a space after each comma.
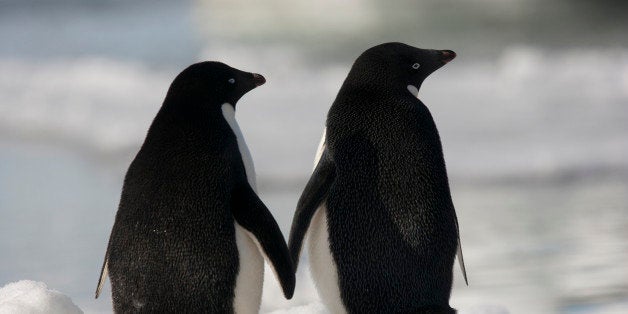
{"points": [[250, 279], [322, 264], [249, 282]]}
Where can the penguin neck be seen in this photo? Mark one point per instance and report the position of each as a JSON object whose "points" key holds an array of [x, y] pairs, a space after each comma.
{"points": [[201, 101], [383, 85], [228, 112], [179, 119]]}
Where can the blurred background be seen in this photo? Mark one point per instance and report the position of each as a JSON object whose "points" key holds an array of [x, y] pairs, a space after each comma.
{"points": [[533, 116]]}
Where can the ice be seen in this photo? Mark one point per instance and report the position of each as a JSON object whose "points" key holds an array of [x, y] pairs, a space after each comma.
{"points": [[32, 297], [312, 308], [484, 309]]}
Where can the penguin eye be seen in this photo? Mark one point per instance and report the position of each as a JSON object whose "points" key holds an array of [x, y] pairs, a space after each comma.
{"points": [[231, 81], [416, 66]]}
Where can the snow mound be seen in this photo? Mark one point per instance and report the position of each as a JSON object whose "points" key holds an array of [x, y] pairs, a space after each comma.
{"points": [[313, 308], [484, 309], [318, 308], [32, 297]]}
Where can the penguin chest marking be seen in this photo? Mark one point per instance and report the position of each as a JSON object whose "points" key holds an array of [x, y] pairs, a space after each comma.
{"points": [[322, 264], [229, 114], [250, 278], [413, 90]]}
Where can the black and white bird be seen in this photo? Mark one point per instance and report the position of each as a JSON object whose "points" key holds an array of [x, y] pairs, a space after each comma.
{"points": [[191, 234], [382, 227]]}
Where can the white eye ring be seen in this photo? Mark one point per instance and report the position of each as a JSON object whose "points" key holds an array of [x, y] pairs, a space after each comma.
{"points": [[416, 66], [231, 81]]}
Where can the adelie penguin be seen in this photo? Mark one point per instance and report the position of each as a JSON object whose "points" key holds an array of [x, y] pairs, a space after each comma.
{"points": [[191, 233], [382, 228]]}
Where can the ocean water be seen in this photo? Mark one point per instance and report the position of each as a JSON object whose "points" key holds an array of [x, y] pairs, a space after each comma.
{"points": [[534, 129]]}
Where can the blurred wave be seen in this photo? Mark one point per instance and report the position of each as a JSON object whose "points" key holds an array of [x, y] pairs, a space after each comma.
{"points": [[529, 115], [331, 28]]}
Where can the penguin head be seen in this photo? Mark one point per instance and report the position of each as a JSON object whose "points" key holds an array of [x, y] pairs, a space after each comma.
{"points": [[400, 64], [211, 84]]}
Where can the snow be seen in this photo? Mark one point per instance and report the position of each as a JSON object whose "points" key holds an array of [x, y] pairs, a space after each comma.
{"points": [[313, 308], [32, 297]]}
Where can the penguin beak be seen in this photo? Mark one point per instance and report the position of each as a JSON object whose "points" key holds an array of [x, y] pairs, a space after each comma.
{"points": [[258, 79], [446, 55]]}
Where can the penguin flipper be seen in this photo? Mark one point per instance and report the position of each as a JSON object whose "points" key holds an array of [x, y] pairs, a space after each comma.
{"points": [[461, 262], [460, 257], [104, 271], [313, 196], [251, 213]]}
